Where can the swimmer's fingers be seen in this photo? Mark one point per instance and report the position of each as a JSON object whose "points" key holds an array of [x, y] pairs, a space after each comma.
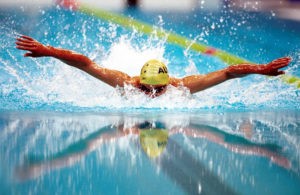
{"points": [[272, 69], [28, 54], [27, 48], [27, 38], [34, 48], [25, 44], [23, 47], [32, 54], [20, 40], [276, 73], [280, 63], [30, 46]]}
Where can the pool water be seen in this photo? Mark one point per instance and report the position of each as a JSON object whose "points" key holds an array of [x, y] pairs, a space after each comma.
{"points": [[65, 132], [48, 84], [91, 153]]}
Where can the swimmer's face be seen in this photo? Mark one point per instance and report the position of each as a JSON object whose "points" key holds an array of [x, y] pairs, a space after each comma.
{"points": [[151, 87], [159, 89]]}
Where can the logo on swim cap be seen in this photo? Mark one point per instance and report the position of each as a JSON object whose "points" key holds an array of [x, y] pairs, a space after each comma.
{"points": [[153, 141], [154, 72]]}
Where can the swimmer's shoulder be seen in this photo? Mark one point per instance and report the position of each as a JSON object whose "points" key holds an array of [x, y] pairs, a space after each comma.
{"points": [[175, 81], [135, 81]]}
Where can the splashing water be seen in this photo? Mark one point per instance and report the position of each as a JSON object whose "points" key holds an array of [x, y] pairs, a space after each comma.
{"points": [[48, 84]]}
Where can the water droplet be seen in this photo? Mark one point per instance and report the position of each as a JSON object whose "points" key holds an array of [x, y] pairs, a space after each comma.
{"points": [[273, 14], [199, 188], [221, 19]]}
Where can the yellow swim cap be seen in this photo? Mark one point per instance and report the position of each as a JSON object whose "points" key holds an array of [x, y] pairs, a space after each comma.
{"points": [[154, 72], [153, 141]]}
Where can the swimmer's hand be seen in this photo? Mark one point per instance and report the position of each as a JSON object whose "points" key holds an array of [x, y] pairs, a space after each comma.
{"points": [[35, 48], [270, 69]]}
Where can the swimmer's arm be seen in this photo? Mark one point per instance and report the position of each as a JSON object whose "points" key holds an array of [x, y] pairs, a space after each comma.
{"points": [[36, 49], [198, 83], [111, 77]]}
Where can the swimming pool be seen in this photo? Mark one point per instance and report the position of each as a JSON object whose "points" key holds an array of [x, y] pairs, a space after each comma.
{"points": [[65, 132]]}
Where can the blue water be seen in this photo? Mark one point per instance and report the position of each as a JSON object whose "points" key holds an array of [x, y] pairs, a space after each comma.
{"points": [[62, 131], [90, 153], [48, 84], [258, 37]]}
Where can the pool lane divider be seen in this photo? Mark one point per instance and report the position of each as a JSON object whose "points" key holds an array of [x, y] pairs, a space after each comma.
{"points": [[173, 38]]}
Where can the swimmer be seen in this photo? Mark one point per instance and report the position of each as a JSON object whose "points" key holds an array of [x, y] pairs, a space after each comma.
{"points": [[154, 78]]}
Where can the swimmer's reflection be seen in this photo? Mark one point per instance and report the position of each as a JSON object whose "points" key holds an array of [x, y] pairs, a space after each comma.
{"points": [[157, 143]]}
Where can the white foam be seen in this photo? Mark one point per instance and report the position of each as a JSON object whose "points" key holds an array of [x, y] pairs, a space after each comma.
{"points": [[125, 57]]}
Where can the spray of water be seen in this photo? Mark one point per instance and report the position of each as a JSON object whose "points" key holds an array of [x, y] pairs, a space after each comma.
{"points": [[45, 83]]}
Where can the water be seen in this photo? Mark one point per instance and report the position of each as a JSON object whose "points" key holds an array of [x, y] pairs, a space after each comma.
{"points": [[243, 153], [48, 84], [63, 131]]}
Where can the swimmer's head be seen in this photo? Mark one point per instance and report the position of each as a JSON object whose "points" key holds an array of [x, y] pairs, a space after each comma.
{"points": [[154, 72], [153, 140]]}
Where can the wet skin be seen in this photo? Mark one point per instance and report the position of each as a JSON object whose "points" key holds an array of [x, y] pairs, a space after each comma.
{"points": [[115, 78]]}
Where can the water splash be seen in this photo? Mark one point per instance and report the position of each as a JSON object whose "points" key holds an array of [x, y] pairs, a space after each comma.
{"points": [[126, 57], [48, 84]]}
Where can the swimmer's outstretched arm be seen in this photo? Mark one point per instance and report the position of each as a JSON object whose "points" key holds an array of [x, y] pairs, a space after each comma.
{"points": [[198, 83], [36, 49]]}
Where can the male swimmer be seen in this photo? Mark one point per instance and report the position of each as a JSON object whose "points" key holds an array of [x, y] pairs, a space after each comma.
{"points": [[154, 77]]}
